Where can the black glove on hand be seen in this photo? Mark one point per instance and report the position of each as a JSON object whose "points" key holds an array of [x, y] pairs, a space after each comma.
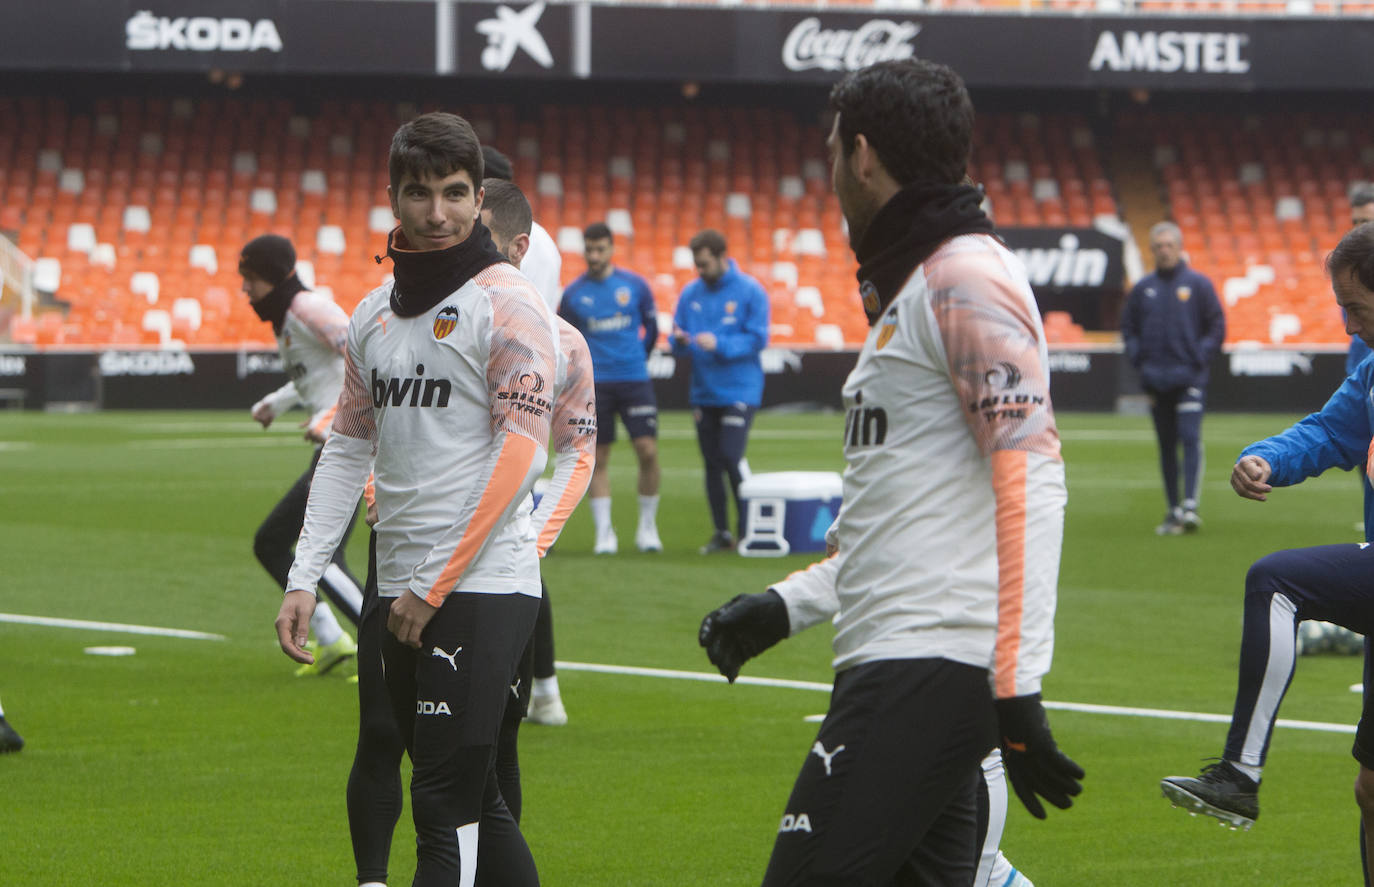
{"points": [[1034, 764], [742, 629]]}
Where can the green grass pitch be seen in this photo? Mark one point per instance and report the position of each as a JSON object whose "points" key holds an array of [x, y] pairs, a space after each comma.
{"points": [[208, 763]]}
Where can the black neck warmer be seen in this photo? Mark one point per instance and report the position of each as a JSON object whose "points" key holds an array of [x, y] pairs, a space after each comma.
{"points": [[273, 306], [424, 278], [906, 231]]}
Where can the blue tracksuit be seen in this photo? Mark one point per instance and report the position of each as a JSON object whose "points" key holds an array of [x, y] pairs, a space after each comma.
{"points": [[735, 309], [1337, 436], [1327, 582], [609, 314], [1172, 325]]}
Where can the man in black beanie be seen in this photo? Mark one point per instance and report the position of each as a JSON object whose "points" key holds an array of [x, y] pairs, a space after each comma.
{"points": [[310, 336]]}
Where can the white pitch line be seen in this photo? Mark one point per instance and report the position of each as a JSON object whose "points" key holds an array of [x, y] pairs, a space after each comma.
{"points": [[1084, 707], [1320, 726], [111, 626], [691, 676], [212, 443]]}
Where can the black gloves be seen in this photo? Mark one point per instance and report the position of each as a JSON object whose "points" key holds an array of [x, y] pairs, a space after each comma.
{"points": [[1034, 764], [742, 629]]}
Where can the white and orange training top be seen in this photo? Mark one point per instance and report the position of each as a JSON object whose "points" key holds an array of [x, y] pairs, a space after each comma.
{"points": [[573, 437], [452, 410], [950, 534], [311, 344]]}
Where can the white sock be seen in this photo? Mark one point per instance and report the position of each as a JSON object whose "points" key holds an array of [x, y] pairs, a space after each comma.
{"points": [[648, 510], [324, 625], [601, 513], [373, 884], [2, 712], [544, 686], [1248, 769]]}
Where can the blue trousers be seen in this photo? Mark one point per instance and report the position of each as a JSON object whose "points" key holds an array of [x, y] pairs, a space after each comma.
{"points": [[1177, 415], [1329, 583]]}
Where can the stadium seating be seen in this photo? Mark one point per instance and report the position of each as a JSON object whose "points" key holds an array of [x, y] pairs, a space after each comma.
{"points": [[1260, 202], [144, 202]]}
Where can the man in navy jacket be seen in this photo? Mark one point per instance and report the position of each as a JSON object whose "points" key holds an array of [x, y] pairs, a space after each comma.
{"points": [[721, 323], [1172, 325]]}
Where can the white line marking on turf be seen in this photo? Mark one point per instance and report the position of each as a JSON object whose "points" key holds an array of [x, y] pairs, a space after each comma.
{"points": [[16, 445], [111, 626], [216, 443], [691, 676], [1089, 708], [1083, 707]]}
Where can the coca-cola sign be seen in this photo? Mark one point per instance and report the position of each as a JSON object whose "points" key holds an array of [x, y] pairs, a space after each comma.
{"points": [[809, 46]]}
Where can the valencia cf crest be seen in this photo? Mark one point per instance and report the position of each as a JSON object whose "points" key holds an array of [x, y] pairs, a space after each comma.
{"points": [[729, 307], [1184, 293], [869, 293], [287, 339], [888, 330], [445, 322], [622, 296]]}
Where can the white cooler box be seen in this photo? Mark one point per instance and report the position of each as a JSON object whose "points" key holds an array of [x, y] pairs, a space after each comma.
{"points": [[788, 511]]}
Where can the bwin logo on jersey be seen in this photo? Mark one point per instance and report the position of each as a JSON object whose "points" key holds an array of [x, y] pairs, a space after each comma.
{"points": [[425, 707], [446, 322], [415, 391], [795, 823]]}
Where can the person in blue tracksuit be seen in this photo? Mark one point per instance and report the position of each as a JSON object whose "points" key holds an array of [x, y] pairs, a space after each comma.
{"points": [[614, 310], [1328, 582], [721, 324], [1172, 326]]}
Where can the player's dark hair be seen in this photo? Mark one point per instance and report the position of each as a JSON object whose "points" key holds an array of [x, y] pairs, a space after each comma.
{"points": [[916, 114], [436, 144], [510, 211], [1354, 254], [1361, 197], [711, 240], [498, 165], [597, 231]]}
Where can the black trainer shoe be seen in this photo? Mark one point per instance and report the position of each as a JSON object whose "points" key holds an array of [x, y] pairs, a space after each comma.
{"points": [[1220, 790], [9, 740], [721, 541]]}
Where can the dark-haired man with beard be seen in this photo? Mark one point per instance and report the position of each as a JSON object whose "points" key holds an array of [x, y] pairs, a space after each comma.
{"points": [[943, 582]]}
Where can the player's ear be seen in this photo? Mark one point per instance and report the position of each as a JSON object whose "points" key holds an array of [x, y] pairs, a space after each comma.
{"points": [[519, 247]]}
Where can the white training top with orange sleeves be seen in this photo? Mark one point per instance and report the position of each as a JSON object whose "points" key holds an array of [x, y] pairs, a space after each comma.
{"points": [[452, 409], [573, 437], [311, 344], [954, 494]]}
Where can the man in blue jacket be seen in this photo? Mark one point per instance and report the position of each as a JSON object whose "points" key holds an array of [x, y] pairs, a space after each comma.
{"points": [[1328, 582], [1172, 325], [721, 323]]}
